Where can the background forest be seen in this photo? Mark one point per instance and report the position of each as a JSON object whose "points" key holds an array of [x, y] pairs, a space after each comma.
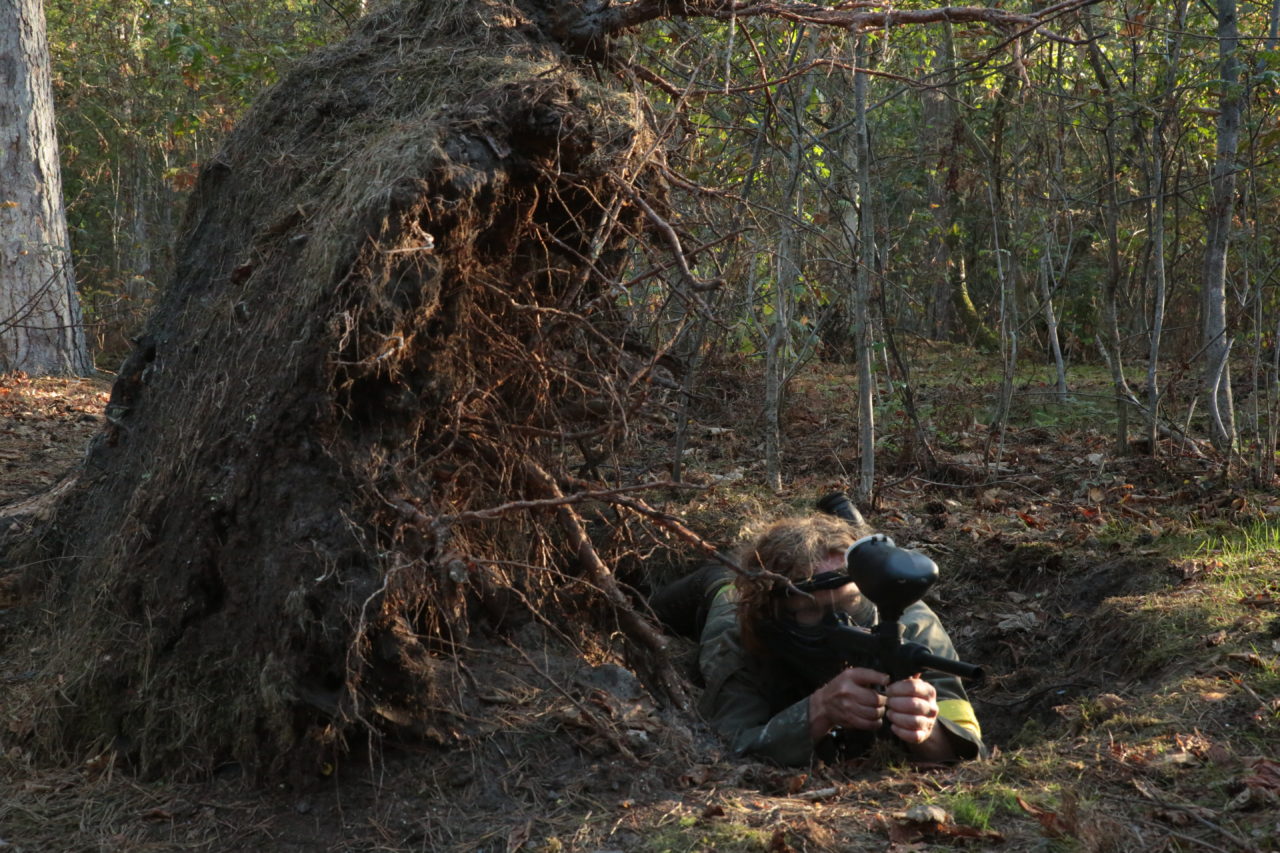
{"points": [[1103, 195], [1009, 280]]}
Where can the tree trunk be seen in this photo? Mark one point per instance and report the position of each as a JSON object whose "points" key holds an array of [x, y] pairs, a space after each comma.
{"points": [[780, 346], [940, 135], [1046, 279], [1110, 336], [1217, 341], [40, 326], [1159, 152], [865, 489]]}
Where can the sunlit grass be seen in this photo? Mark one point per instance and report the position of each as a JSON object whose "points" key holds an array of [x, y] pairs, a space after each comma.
{"points": [[979, 806], [687, 834], [1257, 539]]}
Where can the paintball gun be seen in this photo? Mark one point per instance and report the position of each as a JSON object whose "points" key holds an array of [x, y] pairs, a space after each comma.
{"points": [[893, 579]]}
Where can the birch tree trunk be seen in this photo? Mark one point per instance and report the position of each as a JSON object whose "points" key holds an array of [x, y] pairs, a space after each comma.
{"points": [[1051, 319], [1159, 285], [1110, 338], [40, 327], [862, 300], [1217, 343]]}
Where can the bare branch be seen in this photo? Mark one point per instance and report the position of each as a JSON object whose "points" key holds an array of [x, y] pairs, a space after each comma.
{"points": [[594, 21]]}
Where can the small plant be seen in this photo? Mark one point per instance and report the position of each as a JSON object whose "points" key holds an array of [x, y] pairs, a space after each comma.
{"points": [[689, 834], [968, 810]]}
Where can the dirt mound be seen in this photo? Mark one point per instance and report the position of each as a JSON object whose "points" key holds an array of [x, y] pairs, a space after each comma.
{"points": [[336, 459]]}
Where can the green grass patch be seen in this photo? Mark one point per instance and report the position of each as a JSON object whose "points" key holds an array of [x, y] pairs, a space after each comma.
{"points": [[978, 807], [688, 834], [1253, 541]]}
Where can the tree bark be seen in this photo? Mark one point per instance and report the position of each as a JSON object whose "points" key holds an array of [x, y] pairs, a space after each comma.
{"points": [[1159, 289], [1216, 337], [1110, 336], [41, 331], [865, 488]]}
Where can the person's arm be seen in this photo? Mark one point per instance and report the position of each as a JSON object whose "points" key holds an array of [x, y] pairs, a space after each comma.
{"points": [[736, 700], [956, 718]]}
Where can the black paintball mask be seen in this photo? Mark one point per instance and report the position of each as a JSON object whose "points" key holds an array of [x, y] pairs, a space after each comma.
{"points": [[807, 647]]}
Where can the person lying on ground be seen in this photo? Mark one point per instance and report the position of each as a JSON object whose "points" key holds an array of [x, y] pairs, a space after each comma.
{"points": [[790, 708]]}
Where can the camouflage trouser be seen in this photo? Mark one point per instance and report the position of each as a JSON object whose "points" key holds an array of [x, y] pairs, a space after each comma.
{"points": [[682, 605]]}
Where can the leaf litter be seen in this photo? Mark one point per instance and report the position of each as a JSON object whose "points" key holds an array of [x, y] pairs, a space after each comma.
{"points": [[1096, 742]]}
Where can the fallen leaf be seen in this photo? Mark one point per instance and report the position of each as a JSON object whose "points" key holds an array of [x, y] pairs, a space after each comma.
{"points": [[1252, 658], [1266, 774], [958, 830], [694, 776], [927, 813], [1054, 825], [1110, 702], [1217, 638], [778, 844], [1025, 621], [1175, 759]]}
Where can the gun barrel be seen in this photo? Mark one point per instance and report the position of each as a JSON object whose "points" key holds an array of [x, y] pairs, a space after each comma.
{"points": [[924, 659]]}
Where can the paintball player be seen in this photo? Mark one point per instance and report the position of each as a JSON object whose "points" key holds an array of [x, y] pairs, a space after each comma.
{"points": [[774, 701]]}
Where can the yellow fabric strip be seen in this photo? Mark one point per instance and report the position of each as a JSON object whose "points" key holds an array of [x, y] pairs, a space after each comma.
{"points": [[961, 713]]}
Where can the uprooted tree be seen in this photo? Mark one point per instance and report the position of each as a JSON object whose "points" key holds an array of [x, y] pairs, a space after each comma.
{"points": [[338, 457]]}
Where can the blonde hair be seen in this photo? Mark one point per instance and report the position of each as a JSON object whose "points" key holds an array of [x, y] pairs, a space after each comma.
{"points": [[792, 548]]}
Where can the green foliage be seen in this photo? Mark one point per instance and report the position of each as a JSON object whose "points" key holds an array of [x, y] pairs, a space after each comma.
{"points": [[979, 806], [143, 93]]}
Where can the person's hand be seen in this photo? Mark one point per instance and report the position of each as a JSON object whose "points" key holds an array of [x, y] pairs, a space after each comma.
{"points": [[911, 709], [912, 712], [851, 700]]}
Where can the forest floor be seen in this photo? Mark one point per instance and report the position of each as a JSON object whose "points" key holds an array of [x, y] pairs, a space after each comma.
{"points": [[1127, 608]]}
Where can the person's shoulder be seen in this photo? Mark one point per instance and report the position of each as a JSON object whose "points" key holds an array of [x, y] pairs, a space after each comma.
{"points": [[722, 616], [920, 611]]}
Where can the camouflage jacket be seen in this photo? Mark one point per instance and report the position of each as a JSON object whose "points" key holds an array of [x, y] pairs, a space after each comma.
{"points": [[762, 707]]}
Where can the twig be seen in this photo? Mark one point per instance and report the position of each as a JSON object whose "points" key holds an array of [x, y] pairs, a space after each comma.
{"points": [[415, 514], [1191, 810], [601, 725], [673, 524], [673, 240], [635, 626], [819, 794]]}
